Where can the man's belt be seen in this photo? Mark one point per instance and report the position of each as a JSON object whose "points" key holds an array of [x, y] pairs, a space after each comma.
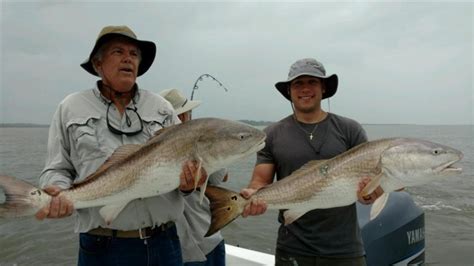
{"points": [[142, 233]]}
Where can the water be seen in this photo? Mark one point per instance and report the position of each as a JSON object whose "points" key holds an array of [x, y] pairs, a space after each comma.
{"points": [[448, 203]]}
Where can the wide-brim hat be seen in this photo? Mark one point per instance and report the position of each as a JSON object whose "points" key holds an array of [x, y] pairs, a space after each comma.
{"points": [[308, 67], [147, 48], [180, 103]]}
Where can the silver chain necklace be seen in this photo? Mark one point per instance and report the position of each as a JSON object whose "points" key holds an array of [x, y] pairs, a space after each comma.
{"points": [[310, 134]]}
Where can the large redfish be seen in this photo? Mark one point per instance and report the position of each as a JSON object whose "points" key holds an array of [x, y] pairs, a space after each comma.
{"points": [[139, 171], [391, 163]]}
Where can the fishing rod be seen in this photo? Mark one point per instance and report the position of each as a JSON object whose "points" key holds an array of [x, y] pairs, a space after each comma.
{"points": [[201, 78]]}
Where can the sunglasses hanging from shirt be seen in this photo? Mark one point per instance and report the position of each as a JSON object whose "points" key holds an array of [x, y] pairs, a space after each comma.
{"points": [[129, 117]]}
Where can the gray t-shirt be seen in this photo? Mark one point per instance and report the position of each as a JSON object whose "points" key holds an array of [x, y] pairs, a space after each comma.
{"points": [[322, 232]]}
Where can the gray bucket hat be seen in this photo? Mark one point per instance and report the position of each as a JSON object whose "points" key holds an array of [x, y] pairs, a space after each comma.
{"points": [[147, 48], [308, 67]]}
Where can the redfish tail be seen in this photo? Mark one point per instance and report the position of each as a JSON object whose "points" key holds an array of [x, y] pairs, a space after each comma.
{"points": [[226, 206], [18, 198]]}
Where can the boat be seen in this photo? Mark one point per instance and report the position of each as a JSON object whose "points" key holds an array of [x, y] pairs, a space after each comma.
{"points": [[393, 232], [242, 256]]}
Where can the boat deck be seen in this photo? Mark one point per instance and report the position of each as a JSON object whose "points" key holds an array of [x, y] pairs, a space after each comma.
{"points": [[241, 256]]}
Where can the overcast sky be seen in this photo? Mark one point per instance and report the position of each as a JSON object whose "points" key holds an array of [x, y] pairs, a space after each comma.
{"points": [[409, 63]]}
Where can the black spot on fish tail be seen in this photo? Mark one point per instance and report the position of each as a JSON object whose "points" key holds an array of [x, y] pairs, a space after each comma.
{"points": [[225, 207], [324, 169]]}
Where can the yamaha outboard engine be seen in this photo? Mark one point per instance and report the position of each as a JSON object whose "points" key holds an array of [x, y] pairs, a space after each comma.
{"points": [[393, 231]]}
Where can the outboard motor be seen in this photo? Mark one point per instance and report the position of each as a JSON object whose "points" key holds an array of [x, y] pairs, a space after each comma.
{"points": [[393, 231]]}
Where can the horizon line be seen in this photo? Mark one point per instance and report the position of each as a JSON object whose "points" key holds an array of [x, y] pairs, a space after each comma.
{"points": [[21, 124]]}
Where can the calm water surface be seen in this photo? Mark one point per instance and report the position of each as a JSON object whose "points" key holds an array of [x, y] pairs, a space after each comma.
{"points": [[448, 203]]}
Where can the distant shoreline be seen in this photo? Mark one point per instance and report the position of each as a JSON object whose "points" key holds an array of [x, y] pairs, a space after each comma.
{"points": [[250, 122], [28, 125], [257, 123], [17, 125]]}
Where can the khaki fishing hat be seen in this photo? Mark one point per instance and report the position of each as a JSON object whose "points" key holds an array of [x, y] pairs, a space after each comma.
{"points": [[308, 67], [147, 48], [180, 103]]}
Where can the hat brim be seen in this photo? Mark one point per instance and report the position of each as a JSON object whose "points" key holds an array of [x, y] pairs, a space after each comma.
{"points": [[147, 48], [330, 82], [190, 105]]}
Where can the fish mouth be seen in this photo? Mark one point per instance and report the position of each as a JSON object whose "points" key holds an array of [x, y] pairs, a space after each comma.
{"points": [[260, 145], [450, 167]]}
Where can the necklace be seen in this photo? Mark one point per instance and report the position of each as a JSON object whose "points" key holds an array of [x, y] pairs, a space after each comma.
{"points": [[310, 134]]}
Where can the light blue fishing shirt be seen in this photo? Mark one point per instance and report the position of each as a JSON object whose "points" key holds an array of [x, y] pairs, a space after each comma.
{"points": [[194, 223], [80, 141]]}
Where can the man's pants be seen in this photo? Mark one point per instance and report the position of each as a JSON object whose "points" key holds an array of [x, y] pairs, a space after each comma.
{"points": [[162, 248], [214, 258]]}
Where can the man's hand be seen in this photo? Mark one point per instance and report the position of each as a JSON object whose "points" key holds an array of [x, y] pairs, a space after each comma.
{"points": [[372, 197], [187, 176], [59, 206], [255, 207]]}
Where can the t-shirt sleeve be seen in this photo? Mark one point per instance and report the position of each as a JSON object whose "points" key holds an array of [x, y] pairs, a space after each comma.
{"points": [[358, 135], [265, 155]]}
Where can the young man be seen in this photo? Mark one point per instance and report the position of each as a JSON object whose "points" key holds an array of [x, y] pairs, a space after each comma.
{"points": [[87, 128], [192, 226], [321, 236]]}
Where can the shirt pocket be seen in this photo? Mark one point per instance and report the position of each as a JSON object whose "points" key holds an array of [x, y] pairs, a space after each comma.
{"points": [[85, 140], [152, 124]]}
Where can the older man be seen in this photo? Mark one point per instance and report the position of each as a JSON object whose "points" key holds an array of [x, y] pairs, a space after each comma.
{"points": [[86, 129]]}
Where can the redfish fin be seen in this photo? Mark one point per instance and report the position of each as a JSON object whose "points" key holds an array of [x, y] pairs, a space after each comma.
{"points": [[226, 206], [197, 175], [293, 215], [19, 197], [378, 206], [203, 189], [111, 211], [372, 185], [120, 154]]}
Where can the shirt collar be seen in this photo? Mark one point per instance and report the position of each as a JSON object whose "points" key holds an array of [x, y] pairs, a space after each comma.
{"points": [[101, 97]]}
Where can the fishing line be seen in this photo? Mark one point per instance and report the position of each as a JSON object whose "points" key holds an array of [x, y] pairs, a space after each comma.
{"points": [[200, 78]]}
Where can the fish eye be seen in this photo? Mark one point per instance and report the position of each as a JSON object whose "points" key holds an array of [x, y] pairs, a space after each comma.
{"points": [[243, 136], [436, 151]]}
